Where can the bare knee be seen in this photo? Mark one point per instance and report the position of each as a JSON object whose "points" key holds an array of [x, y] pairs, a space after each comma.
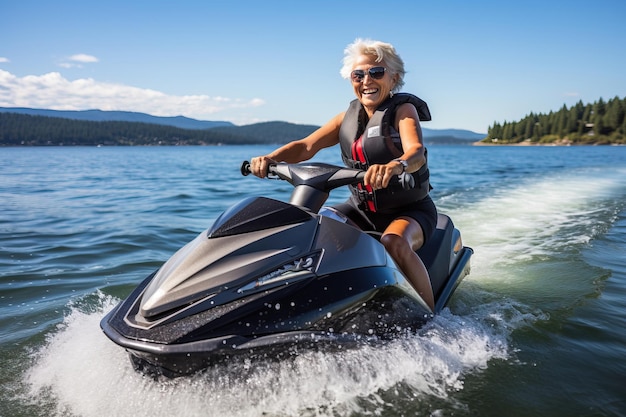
{"points": [[396, 245]]}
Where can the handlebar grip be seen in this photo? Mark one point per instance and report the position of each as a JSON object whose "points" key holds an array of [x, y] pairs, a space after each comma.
{"points": [[245, 168]]}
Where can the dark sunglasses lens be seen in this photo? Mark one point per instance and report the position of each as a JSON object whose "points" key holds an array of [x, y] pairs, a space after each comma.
{"points": [[358, 75], [377, 72]]}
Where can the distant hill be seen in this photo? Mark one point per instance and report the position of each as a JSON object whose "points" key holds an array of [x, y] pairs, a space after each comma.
{"points": [[143, 126], [453, 133], [265, 132], [118, 116], [30, 130]]}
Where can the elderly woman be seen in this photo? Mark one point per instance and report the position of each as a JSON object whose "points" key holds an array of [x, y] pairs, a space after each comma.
{"points": [[380, 133]]}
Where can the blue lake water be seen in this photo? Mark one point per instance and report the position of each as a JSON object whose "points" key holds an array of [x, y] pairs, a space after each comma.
{"points": [[537, 328]]}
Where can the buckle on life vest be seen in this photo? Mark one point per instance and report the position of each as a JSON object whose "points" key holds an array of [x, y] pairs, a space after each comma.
{"points": [[358, 165], [363, 196]]}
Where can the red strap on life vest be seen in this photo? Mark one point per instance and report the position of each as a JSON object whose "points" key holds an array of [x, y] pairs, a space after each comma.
{"points": [[359, 155]]}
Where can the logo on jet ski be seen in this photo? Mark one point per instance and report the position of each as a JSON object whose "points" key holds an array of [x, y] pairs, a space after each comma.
{"points": [[289, 271]]}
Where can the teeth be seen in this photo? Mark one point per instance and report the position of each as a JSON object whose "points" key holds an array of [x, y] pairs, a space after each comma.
{"points": [[371, 91]]}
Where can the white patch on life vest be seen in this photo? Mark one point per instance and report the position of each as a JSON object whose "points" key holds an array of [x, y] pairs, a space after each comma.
{"points": [[373, 131]]}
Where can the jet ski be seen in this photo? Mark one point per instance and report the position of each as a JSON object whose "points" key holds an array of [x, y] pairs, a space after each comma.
{"points": [[271, 276]]}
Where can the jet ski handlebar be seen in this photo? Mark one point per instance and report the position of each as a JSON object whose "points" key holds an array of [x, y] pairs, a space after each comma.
{"points": [[321, 176]]}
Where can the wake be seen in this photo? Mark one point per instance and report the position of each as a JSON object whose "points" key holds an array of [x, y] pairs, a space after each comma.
{"points": [[80, 371]]}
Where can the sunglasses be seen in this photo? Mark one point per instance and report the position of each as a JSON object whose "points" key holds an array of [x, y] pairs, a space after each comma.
{"points": [[375, 72]]}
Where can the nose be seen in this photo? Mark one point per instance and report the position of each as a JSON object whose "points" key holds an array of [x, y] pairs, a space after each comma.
{"points": [[367, 77]]}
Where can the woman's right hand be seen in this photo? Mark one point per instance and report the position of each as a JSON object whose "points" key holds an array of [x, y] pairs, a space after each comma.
{"points": [[260, 164]]}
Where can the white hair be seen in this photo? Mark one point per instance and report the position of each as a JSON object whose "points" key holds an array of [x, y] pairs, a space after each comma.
{"points": [[381, 50]]}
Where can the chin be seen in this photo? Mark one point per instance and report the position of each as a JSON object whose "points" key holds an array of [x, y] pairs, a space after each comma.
{"points": [[371, 100]]}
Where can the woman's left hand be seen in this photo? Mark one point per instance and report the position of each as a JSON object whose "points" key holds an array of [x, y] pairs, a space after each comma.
{"points": [[379, 175]]}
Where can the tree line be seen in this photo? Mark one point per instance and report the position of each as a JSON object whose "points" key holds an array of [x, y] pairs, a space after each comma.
{"points": [[28, 130], [601, 122]]}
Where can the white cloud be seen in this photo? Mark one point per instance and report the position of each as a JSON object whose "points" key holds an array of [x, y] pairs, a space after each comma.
{"points": [[53, 91], [84, 58], [3, 59], [77, 61]]}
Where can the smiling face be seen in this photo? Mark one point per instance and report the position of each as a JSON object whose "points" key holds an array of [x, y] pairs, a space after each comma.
{"points": [[371, 92]]}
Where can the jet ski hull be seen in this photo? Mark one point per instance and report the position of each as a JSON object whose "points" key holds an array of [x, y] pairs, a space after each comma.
{"points": [[328, 312], [270, 276]]}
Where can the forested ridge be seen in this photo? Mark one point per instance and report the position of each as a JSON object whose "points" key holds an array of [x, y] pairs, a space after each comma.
{"points": [[602, 122], [27, 130]]}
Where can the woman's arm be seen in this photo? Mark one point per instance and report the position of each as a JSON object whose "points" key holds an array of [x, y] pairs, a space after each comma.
{"points": [[408, 126], [300, 150]]}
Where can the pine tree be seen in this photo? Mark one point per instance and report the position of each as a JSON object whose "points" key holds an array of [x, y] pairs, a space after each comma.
{"points": [[598, 122], [614, 114]]}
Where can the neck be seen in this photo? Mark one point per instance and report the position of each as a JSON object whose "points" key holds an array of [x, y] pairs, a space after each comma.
{"points": [[369, 111]]}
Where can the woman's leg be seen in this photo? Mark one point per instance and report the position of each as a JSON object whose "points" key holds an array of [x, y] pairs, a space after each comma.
{"points": [[402, 238]]}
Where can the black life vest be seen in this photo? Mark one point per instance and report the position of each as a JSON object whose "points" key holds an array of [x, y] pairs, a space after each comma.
{"points": [[376, 141]]}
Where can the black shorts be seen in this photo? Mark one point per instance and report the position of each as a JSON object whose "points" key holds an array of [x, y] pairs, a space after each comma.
{"points": [[423, 212]]}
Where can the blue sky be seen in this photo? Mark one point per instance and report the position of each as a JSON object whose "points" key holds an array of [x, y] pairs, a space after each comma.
{"points": [[474, 62]]}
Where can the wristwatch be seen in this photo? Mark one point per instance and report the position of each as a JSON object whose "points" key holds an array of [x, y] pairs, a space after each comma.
{"points": [[404, 163]]}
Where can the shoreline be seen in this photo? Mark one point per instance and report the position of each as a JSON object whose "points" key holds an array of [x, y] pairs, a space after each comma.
{"points": [[558, 143]]}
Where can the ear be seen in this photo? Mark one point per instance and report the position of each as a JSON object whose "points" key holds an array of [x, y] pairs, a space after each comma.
{"points": [[395, 80]]}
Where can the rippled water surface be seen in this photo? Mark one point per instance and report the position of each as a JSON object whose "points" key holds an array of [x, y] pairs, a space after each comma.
{"points": [[537, 328]]}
